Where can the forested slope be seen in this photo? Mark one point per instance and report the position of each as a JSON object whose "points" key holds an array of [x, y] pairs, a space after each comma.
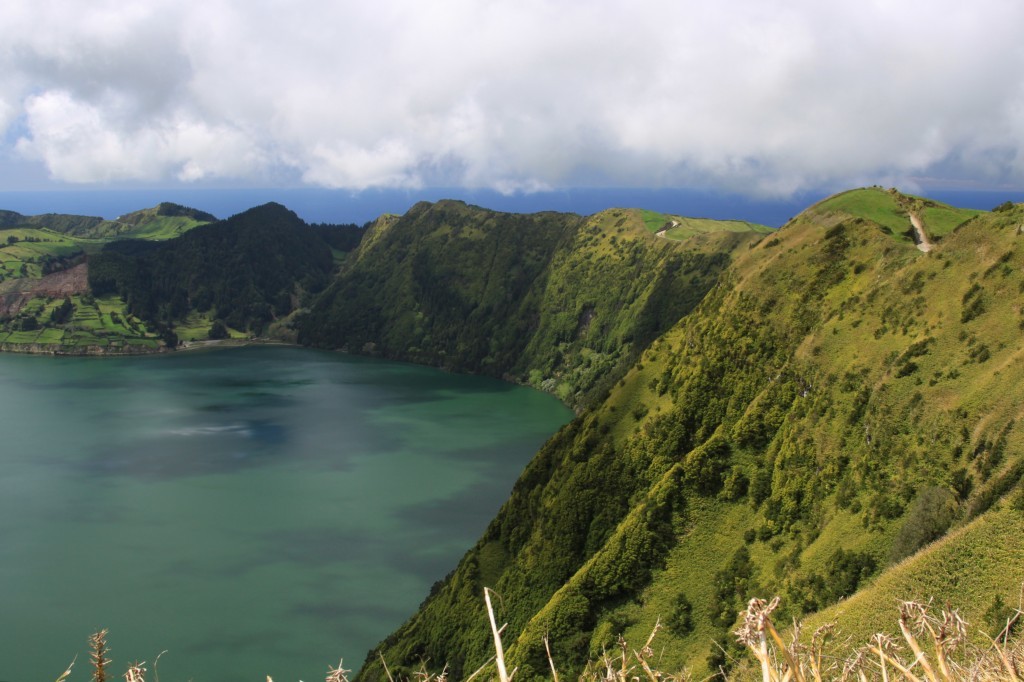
{"points": [[838, 400], [247, 271], [562, 302]]}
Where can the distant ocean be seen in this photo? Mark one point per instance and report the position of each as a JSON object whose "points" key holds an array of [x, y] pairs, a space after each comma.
{"points": [[342, 206]]}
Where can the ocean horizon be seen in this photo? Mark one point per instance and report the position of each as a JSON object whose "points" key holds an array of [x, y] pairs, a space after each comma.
{"points": [[317, 205]]}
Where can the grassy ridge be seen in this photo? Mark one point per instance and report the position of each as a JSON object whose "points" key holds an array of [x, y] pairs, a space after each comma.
{"points": [[164, 221], [891, 210], [838, 400]]}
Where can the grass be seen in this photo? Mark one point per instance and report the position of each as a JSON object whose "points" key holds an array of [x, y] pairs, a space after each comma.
{"points": [[934, 647], [48, 336], [680, 228], [940, 219], [161, 228], [874, 204], [32, 246], [196, 327], [969, 567], [890, 209]]}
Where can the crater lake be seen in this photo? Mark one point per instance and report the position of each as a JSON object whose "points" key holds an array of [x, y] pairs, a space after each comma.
{"points": [[254, 511]]}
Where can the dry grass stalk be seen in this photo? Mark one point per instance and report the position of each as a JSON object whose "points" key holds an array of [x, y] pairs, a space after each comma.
{"points": [[551, 661], [136, 673], [338, 674], [423, 675], [645, 654], [621, 668], [156, 672], [385, 664], [480, 669], [499, 652], [932, 642], [67, 672], [98, 653]]}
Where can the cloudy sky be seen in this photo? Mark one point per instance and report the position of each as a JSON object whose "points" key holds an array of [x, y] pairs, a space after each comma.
{"points": [[767, 97]]}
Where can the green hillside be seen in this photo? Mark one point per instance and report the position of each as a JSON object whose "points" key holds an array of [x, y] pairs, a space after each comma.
{"points": [[151, 279], [562, 302], [836, 401], [45, 301], [27, 252], [246, 271], [75, 225], [164, 221], [988, 550]]}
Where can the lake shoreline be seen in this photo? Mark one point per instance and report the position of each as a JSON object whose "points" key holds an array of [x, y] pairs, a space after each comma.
{"points": [[57, 349]]}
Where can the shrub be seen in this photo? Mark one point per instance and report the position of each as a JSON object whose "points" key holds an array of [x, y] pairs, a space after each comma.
{"points": [[680, 621], [930, 515], [218, 331]]}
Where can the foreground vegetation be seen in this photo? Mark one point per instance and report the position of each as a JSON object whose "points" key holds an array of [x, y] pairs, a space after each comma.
{"points": [[933, 647]]}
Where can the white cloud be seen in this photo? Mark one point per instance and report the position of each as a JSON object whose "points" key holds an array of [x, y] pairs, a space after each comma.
{"points": [[766, 96], [80, 142]]}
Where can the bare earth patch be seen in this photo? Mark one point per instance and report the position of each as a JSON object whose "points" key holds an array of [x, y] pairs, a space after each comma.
{"points": [[16, 292]]}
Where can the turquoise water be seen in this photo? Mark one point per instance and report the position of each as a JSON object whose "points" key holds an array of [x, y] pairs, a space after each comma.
{"points": [[253, 512]]}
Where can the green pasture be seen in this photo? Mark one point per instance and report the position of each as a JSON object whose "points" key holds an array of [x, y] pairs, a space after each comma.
{"points": [[680, 227], [873, 204], [160, 228], [196, 327], [891, 210]]}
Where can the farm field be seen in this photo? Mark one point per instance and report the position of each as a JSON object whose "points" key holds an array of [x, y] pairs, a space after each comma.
{"points": [[90, 323], [44, 294]]}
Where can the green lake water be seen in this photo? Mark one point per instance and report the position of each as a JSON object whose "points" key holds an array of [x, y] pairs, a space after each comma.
{"points": [[256, 511]]}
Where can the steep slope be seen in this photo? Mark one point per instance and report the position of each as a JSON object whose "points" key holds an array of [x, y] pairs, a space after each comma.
{"points": [[562, 302], [987, 550], [838, 400]]}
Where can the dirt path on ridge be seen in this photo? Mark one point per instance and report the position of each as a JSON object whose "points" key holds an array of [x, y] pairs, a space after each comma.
{"points": [[920, 236]]}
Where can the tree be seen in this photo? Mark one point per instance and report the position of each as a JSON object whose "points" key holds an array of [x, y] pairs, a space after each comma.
{"points": [[63, 313], [217, 331]]}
